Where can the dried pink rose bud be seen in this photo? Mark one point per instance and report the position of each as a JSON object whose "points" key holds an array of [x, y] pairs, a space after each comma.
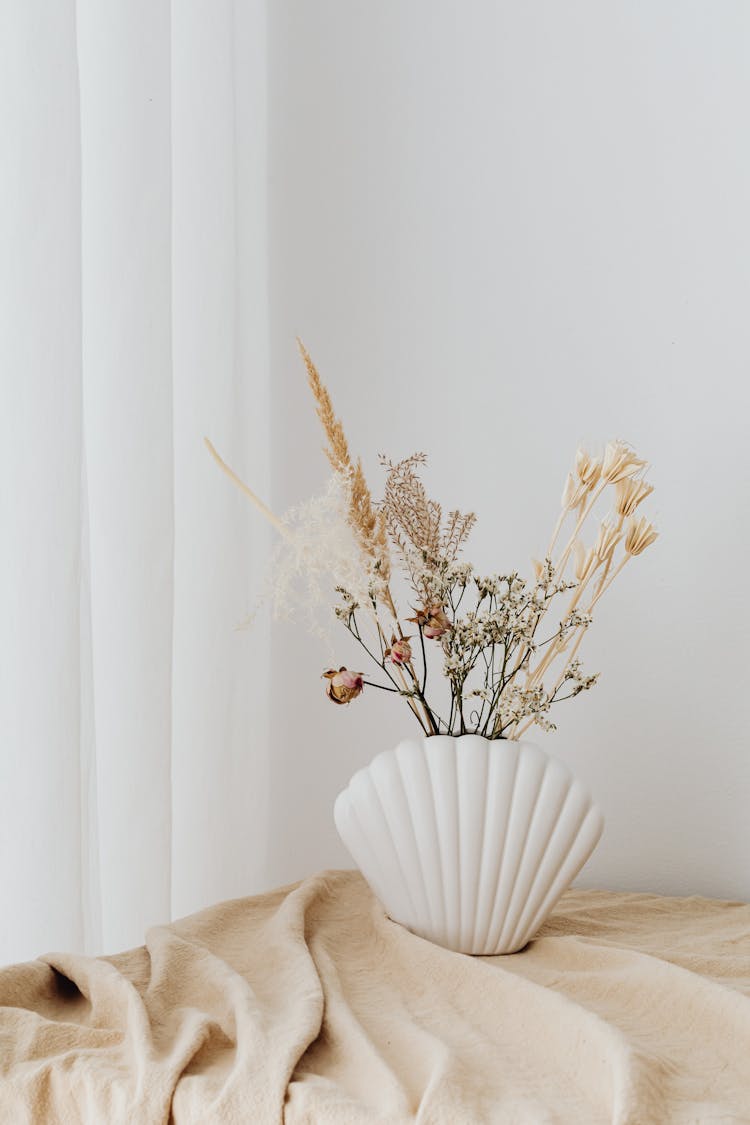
{"points": [[437, 623], [343, 686], [433, 620], [400, 651]]}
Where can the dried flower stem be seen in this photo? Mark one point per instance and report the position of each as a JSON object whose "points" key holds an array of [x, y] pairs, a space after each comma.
{"points": [[585, 510], [426, 724], [607, 582], [263, 508], [560, 644], [604, 583], [429, 723], [556, 532]]}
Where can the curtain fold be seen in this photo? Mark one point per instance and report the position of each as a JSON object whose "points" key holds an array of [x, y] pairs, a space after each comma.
{"points": [[124, 68], [40, 473], [134, 320], [220, 677]]}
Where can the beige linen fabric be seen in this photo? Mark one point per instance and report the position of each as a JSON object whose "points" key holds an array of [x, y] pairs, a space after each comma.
{"points": [[308, 1005]]}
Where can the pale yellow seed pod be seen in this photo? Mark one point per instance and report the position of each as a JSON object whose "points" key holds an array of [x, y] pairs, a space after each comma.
{"points": [[620, 462], [606, 541], [629, 494], [640, 535], [589, 468], [586, 561]]}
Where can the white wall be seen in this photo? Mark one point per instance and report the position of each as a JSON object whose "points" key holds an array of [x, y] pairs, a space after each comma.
{"points": [[502, 228]]}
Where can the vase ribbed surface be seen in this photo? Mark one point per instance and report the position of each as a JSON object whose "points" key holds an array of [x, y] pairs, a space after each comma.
{"points": [[468, 842]]}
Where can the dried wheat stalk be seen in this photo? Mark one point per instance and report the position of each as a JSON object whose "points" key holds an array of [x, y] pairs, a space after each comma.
{"points": [[368, 525]]}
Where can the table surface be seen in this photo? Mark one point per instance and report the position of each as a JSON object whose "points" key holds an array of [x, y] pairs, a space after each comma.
{"points": [[309, 1005]]}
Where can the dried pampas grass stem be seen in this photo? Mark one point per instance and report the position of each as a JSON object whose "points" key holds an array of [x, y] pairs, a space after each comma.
{"points": [[270, 516], [368, 525]]}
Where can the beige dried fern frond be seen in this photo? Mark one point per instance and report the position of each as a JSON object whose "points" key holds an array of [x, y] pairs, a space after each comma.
{"points": [[415, 522], [455, 533]]}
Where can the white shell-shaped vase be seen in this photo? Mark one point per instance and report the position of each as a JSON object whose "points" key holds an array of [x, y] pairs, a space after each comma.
{"points": [[468, 842]]}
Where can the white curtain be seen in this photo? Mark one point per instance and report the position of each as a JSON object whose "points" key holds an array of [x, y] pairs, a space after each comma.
{"points": [[133, 319]]}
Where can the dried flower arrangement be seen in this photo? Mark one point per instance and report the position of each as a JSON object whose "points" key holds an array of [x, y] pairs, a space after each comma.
{"points": [[501, 675]]}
